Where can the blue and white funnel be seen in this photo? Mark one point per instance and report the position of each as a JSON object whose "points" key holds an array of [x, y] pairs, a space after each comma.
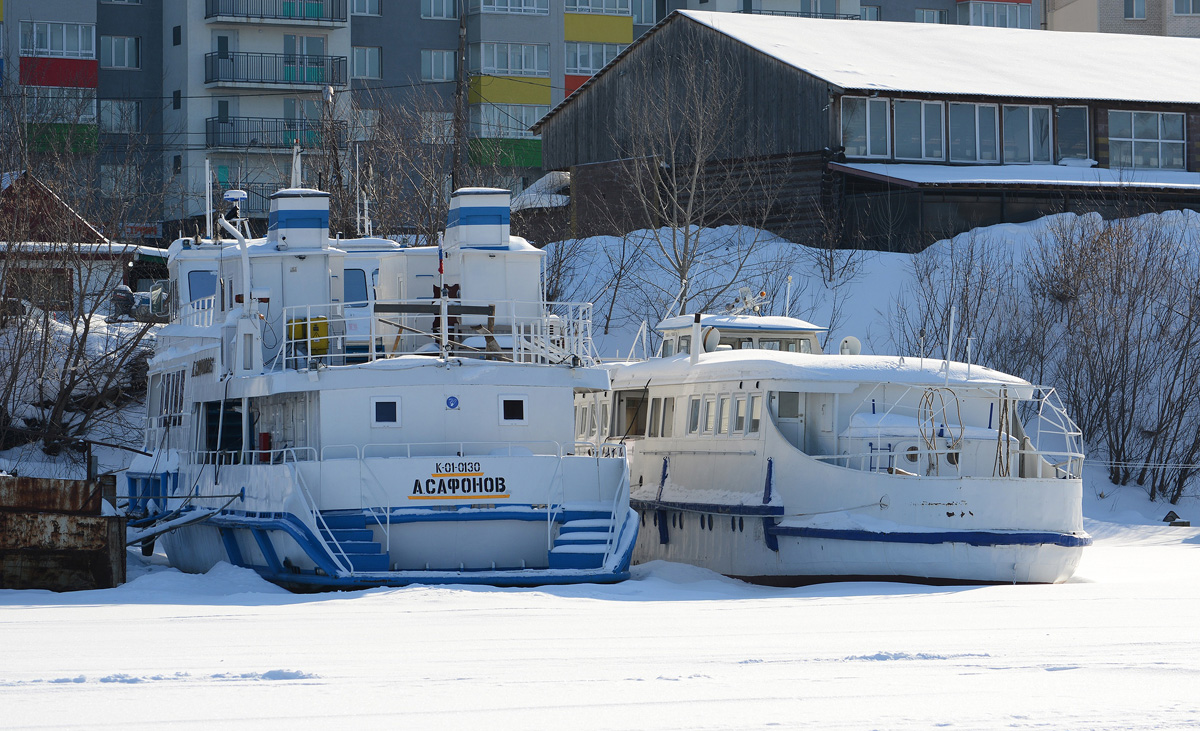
{"points": [[299, 218], [478, 219]]}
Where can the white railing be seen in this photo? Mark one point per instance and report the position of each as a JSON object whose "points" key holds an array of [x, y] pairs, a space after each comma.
{"points": [[524, 332], [937, 413], [198, 313], [283, 455]]}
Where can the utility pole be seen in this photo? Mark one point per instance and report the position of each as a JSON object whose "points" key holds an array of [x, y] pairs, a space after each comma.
{"points": [[462, 84]]}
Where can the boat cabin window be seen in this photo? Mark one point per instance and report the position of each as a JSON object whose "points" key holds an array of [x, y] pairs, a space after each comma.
{"points": [[710, 414], [385, 411], [201, 283], [668, 348], [222, 427], [655, 416], [788, 406], [355, 284], [694, 415], [603, 420], [739, 415], [685, 344], [668, 423], [630, 414], [755, 413], [723, 415], [512, 410], [738, 343]]}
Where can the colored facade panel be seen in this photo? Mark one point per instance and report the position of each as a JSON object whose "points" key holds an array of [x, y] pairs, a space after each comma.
{"points": [[573, 82], [72, 72], [506, 152], [598, 28], [509, 90], [76, 139]]}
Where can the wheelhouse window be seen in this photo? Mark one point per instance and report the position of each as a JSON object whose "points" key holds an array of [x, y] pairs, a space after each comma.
{"points": [[723, 415], [668, 348], [655, 416], [917, 129], [668, 419], [973, 133], [201, 284], [1146, 140], [755, 414], [355, 284], [865, 126], [694, 415], [739, 415], [385, 411], [1026, 134], [710, 414], [1071, 125]]}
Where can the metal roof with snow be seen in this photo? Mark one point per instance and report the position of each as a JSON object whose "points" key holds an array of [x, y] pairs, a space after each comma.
{"points": [[972, 60]]}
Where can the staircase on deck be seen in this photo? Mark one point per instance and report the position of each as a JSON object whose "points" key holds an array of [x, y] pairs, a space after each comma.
{"points": [[349, 534], [582, 541]]}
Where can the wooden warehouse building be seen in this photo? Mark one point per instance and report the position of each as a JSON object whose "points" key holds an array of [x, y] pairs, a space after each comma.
{"points": [[888, 135]]}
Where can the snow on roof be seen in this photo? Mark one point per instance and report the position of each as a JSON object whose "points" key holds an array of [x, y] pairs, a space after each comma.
{"points": [[915, 175], [544, 192], [771, 365], [741, 323], [960, 59]]}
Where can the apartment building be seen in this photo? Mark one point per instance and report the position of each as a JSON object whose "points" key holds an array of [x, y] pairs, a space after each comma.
{"points": [[1139, 17]]}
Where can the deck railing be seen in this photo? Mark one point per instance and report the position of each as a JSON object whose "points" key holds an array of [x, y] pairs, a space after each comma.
{"points": [[521, 332], [328, 11], [198, 313], [274, 68]]}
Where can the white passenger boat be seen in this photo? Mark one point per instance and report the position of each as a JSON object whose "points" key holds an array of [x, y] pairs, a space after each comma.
{"points": [[766, 459], [341, 413]]}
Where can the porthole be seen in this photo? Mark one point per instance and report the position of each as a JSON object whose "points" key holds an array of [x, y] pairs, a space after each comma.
{"points": [[732, 523], [710, 522], [741, 524], [672, 520], [911, 454], [656, 520], [952, 458]]}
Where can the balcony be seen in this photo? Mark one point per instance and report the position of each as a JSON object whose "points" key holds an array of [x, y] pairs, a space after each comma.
{"points": [[283, 12], [802, 14], [270, 133], [274, 69]]}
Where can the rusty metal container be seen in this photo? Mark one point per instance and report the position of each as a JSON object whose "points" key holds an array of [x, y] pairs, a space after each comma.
{"points": [[53, 536]]}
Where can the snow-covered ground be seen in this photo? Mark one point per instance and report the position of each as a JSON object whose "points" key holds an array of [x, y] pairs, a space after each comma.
{"points": [[1118, 647]]}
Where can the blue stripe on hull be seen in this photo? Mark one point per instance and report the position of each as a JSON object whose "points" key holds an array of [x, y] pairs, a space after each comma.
{"points": [[971, 538]]}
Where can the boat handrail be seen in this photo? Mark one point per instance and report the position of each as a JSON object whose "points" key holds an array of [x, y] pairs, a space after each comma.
{"points": [[1049, 409], [384, 523], [613, 537], [892, 461], [333, 334], [343, 563], [198, 313], [282, 455]]}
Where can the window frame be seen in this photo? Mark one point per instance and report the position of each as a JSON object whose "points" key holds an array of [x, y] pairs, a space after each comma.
{"points": [[571, 55], [368, 4], [1029, 129], [1134, 140], [107, 58], [35, 51], [523, 400], [867, 120], [694, 417], [398, 423], [1131, 9], [429, 54], [485, 59], [364, 53], [1195, 7], [924, 126], [105, 116], [599, 7], [510, 7], [941, 16], [865, 14], [1087, 132], [977, 160], [430, 9]]}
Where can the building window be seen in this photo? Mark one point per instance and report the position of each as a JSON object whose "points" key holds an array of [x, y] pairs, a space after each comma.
{"points": [[925, 15], [366, 62], [437, 128], [869, 12], [917, 129], [119, 116], [177, 99], [1135, 9], [120, 52], [585, 59], [1145, 140], [644, 12], [973, 133], [506, 120], [522, 7], [1071, 126], [511, 59], [1187, 7], [440, 9], [118, 181], [59, 104], [996, 15], [603, 7], [1027, 134], [512, 410], [68, 40], [385, 411], [364, 7], [438, 65], [177, 35], [177, 164], [865, 127]]}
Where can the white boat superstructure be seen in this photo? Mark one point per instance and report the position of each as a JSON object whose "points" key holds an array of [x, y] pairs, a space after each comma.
{"points": [[342, 413], [764, 458]]}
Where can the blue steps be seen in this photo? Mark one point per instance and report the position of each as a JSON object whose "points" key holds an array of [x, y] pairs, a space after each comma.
{"points": [[582, 542], [354, 539]]}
